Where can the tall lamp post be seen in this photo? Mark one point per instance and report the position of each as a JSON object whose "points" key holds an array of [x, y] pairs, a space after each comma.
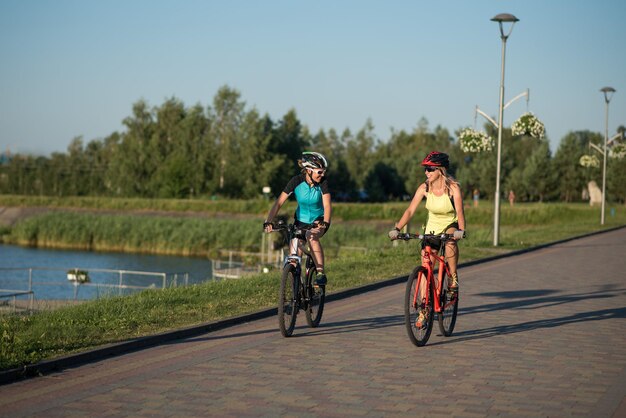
{"points": [[608, 94], [501, 18]]}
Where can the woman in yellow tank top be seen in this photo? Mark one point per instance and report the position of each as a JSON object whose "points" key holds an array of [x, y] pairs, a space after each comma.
{"points": [[444, 203]]}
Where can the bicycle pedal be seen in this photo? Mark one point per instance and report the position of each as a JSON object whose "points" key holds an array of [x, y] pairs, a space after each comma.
{"points": [[422, 322]]}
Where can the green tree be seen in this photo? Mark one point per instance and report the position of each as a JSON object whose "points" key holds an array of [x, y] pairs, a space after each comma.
{"points": [[288, 141], [616, 180], [616, 174], [130, 169], [255, 158], [360, 153], [226, 116], [341, 182], [165, 151], [571, 177], [198, 149], [405, 151], [383, 183], [95, 157], [538, 174]]}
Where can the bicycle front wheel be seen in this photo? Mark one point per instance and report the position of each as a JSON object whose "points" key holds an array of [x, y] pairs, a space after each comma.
{"points": [[449, 307], [315, 302], [418, 307], [287, 304]]}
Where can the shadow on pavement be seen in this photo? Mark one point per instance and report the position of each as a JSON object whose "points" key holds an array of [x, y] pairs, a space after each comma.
{"points": [[536, 299], [302, 330], [225, 336], [522, 299], [517, 294], [353, 325], [536, 303], [599, 315]]}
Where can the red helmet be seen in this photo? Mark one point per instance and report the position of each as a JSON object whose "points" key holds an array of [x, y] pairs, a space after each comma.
{"points": [[436, 159]]}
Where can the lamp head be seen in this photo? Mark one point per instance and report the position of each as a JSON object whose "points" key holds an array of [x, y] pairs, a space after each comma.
{"points": [[608, 93], [505, 18]]}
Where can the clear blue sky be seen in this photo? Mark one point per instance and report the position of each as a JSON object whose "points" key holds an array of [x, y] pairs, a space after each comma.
{"points": [[74, 68]]}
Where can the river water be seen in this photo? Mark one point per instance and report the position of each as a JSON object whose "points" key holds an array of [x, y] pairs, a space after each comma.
{"points": [[50, 277]]}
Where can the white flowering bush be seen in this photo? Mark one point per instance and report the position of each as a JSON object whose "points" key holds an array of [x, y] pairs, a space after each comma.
{"points": [[472, 140], [618, 151], [589, 161], [528, 124]]}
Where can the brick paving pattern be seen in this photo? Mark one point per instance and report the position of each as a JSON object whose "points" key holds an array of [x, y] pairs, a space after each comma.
{"points": [[539, 334]]}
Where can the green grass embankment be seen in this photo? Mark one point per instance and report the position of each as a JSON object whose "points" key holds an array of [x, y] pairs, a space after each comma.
{"points": [[354, 225], [254, 207], [165, 235]]}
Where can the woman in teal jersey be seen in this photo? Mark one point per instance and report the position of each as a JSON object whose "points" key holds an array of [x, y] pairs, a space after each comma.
{"points": [[314, 208]]}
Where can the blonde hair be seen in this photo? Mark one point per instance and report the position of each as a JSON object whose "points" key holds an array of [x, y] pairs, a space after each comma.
{"points": [[448, 180]]}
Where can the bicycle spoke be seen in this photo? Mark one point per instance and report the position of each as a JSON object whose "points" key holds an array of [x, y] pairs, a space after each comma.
{"points": [[315, 301], [287, 305], [449, 307], [418, 308]]}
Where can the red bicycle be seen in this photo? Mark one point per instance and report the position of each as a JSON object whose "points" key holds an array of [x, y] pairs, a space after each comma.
{"points": [[426, 295]]}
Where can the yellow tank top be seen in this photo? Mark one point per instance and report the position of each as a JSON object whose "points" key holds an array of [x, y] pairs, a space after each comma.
{"points": [[441, 213]]}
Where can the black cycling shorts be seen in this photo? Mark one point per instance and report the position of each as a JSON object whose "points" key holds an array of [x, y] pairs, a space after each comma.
{"points": [[435, 243], [299, 224]]}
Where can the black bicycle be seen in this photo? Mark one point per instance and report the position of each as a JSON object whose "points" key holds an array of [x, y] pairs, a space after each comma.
{"points": [[297, 290]]}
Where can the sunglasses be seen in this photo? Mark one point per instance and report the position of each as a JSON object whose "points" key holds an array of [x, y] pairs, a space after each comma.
{"points": [[318, 172], [430, 169]]}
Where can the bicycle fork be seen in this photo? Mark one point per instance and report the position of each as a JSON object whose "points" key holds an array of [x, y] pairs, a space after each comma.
{"points": [[421, 278]]}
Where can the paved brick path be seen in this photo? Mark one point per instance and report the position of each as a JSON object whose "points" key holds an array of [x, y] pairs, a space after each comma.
{"points": [[539, 334]]}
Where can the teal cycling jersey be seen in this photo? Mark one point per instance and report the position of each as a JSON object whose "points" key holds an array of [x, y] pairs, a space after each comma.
{"points": [[309, 198]]}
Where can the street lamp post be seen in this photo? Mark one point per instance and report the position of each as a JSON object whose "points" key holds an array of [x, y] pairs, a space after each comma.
{"points": [[608, 94], [501, 18]]}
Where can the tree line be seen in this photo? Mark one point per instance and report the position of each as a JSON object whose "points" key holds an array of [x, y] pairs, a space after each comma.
{"points": [[228, 150]]}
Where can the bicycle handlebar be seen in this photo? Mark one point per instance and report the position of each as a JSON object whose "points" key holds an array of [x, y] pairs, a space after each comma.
{"points": [[281, 226], [443, 237]]}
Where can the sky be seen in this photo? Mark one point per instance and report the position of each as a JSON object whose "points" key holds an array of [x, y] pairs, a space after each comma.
{"points": [[74, 68]]}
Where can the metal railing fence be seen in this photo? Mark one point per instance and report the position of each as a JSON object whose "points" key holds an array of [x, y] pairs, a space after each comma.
{"points": [[58, 286]]}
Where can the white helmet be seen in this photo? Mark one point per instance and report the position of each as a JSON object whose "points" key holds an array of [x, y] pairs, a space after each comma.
{"points": [[312, 160]]}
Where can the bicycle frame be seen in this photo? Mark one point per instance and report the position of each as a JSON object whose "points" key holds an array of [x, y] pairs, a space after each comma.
{"points": [[421, 288], [304, 295], [297, 245], [427, 263]]}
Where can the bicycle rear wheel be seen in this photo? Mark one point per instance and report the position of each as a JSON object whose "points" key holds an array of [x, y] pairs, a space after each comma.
{"points": [[416, 301], [315, 303], [287, 304], [449, 307]]}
